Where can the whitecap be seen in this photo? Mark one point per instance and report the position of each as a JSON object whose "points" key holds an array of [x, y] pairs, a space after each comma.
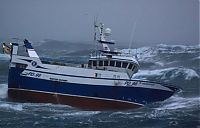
{"points": [[173, 106], [119, 113], [152, 54], [3, 90], [81, 113], [163, 74], [10, 106], [175, 103], [190, 73], [71, 114]]}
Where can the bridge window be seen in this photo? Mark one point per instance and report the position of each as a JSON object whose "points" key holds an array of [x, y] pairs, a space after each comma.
{"points": [[130, 66], [118, 64], [106, 63], [133, 68], [100, 63], [124, 65], [112, 63], [89, 63], [94, 63]]}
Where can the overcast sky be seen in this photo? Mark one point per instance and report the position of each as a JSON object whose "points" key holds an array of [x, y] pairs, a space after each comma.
{"points": [[156, 21]]}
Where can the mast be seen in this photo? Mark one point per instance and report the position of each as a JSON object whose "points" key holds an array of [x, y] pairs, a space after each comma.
{"points": [[95, 35], [101, 38]]}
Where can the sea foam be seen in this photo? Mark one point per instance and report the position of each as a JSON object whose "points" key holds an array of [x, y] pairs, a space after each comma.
{"points": [[167, 73]]}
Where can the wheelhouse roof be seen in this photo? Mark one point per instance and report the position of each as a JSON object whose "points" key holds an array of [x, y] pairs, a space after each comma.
{"points": [[119, 58]]}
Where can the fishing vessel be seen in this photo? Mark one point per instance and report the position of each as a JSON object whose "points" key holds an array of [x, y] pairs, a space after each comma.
{"points": [[104, 83]]}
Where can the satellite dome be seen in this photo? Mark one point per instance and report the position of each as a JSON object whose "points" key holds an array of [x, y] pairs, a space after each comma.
{"points": [[107, 32]]}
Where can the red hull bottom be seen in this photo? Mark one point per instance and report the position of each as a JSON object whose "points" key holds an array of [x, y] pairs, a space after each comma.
{"points": [[74, 101]]}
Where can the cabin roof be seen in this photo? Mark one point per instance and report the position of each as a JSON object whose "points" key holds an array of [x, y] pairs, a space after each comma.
{"points": [[119, 58]]}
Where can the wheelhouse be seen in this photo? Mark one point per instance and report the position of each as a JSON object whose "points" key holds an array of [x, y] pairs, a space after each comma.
{"points": [[111, 63], [128, 66]]}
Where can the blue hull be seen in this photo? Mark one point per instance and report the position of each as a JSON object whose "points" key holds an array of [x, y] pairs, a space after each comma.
{"points": [[107, 97]]}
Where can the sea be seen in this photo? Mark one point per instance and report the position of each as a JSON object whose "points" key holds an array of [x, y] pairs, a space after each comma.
{"points": [[178, 65]]}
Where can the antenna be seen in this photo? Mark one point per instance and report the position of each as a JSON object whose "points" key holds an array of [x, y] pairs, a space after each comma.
{"points": [[132, 35], [95, 34], [131, 40], [95, 26]]}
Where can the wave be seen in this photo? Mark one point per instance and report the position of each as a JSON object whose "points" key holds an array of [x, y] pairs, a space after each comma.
{"points": [[175, 103], [168, 74], [172, 112], [4, 57], [61, 48], [149, 51], [11, 106], [186, 79], [80, 113], [175, 109], [163, 55], [4, 64]]}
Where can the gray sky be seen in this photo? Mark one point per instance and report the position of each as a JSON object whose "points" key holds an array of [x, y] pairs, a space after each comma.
{"points": [[156, 21]]}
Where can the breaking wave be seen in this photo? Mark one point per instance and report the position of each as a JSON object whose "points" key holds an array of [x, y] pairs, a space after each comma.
{"points": [[179, 103], [11, 106], [168, 74], [186, 79], [162, 55]]}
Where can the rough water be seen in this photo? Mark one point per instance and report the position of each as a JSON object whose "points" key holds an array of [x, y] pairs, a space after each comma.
{"points": [[175, 64]]}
